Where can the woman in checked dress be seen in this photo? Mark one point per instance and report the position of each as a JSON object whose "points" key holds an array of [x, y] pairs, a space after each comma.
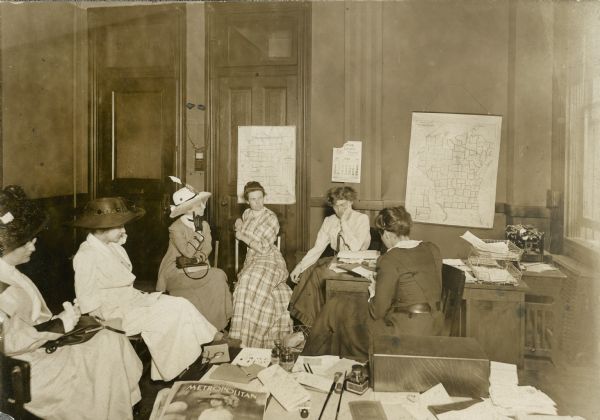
{"points": [[261, 296]]}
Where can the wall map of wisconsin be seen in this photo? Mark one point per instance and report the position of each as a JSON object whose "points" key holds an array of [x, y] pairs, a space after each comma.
{"points": [[452, 169]]}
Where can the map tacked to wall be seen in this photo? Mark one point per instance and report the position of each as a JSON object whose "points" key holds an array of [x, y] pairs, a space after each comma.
{"points": [[267, 154], [452, 169]]}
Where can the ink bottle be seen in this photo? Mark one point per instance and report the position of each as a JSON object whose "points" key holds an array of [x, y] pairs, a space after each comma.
{"points": [[286, 359], [358, 381]]}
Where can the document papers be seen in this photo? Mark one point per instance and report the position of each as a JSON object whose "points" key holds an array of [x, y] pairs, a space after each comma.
{"points": [[251, 355], [289, 393], [506, 393], [478, 244]]}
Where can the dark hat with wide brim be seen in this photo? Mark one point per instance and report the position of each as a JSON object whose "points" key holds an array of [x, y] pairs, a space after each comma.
{"points": [[21, 219], [108, 213]]}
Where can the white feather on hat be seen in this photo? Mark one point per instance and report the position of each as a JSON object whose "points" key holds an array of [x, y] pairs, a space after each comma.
{"points": [[187, 198]]}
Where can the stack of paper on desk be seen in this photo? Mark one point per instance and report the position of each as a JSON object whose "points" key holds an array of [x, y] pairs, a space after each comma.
{"points": [[478, 244], [358, 256]]}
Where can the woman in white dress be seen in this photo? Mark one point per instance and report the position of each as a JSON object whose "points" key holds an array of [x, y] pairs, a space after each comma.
{"points": [[97, 379], [171, 327]]}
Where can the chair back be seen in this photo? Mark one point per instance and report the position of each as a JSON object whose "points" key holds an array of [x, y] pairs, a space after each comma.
{"points": [[453, 284], [15, 390], [237, 252]]}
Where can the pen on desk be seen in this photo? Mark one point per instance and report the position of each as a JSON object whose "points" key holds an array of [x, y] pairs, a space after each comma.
{"points": [[335, 379], [309, 368], [337, 411]]}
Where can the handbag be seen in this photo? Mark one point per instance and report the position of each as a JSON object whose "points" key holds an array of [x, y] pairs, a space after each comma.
{"points": [[192, 265], [86, 328]]}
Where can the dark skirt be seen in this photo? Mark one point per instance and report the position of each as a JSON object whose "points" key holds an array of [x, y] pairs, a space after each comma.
{"points": [[345, 328], [309, 294]]}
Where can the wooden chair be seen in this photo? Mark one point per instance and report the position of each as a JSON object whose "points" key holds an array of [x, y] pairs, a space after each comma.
{"points": [[15, 390], [453, 284]]}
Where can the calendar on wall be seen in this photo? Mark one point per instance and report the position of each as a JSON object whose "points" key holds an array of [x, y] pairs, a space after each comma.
{"points": [[346, 162]]}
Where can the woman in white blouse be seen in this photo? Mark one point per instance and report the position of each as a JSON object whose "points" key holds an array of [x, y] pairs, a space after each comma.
{"points": [[346, 229]]}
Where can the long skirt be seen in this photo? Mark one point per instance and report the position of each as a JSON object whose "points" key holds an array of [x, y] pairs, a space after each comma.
{"points": [[344, 328], [309, 294], [174, 332], [97, 379], [260, 302], [210, 294]]}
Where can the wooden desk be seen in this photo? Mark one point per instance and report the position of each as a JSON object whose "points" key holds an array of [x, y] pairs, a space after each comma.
{"points": [[542, 308], [346, 283], [495, 316]]}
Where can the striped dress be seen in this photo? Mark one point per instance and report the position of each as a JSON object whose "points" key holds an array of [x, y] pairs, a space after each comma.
{"points": [[261, 296]]}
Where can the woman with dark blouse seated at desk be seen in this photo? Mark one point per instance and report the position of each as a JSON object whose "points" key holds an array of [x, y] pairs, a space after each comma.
{"points": [[406, 298]]}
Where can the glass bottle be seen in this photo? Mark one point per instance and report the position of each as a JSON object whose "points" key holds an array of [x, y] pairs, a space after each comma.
{"points": [[287, 359]]}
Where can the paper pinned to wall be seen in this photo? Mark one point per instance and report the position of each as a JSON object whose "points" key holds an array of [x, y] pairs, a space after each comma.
{"points": [[452, 169], [267, 154], [346, 162]]}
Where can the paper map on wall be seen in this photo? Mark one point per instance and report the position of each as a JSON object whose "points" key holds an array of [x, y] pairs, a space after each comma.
{"points": [[268, 155], [452, 169]]}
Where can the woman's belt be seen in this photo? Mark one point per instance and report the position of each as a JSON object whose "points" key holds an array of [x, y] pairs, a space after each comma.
{"points": [[416, 308]]}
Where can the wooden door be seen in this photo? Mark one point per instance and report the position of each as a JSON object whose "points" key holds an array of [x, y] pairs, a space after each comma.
{"points": [[136, 71], [135, 157], [257, 77]]}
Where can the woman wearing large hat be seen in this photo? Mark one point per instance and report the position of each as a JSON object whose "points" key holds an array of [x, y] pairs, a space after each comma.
{"points": [[190, 237], [171, 327], [91, 380]]}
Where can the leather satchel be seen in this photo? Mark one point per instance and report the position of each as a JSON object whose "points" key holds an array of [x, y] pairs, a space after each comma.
{"points": [[86, 328]]}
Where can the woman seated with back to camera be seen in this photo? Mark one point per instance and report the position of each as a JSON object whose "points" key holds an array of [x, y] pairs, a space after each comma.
{"points": [[345, 230], [405, 299], [96, 379], [190, 237]]}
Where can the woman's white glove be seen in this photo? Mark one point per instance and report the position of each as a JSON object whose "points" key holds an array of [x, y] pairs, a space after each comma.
{"points": [[70, 316]]}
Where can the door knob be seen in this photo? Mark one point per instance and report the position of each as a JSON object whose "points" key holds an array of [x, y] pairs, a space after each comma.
{"points": [[224, 203]]}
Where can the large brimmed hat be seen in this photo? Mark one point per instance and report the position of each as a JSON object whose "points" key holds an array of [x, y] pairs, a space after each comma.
{"points": [[187, 198], [21, 219], [107, 213]]}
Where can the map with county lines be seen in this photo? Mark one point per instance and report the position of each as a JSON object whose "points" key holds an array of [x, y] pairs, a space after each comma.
{"points": [[452, 169]]}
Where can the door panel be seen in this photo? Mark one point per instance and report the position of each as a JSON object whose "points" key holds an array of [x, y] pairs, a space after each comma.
{"points": [[251, 101], [136, 73], [136, 150], [257, 69]]}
